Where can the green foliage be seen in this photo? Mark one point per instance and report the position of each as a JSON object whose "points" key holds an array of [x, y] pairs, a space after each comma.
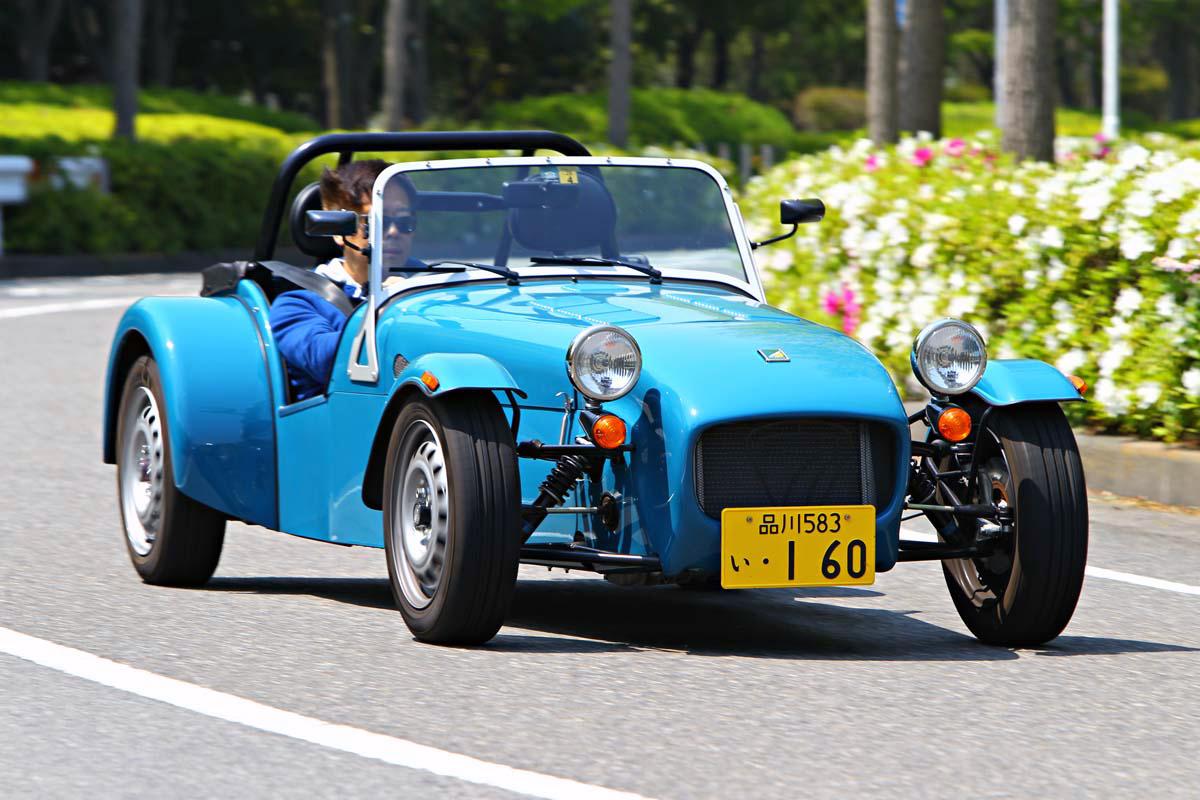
{"points": [[150, 101], [830, 108], [1144, 89], [960, 92], [1091, 264], [657, 116]]}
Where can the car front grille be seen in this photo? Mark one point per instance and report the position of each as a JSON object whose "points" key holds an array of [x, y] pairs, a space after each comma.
{"points": [[794, 462]]}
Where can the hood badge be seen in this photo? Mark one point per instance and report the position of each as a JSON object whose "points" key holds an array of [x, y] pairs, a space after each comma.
{"points": [[771, 355]]}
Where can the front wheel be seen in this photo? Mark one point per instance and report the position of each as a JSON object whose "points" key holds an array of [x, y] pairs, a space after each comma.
{"points": [[1024, 592], [452, 517]]}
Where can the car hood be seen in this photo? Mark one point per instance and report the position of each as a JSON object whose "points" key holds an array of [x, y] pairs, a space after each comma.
{"points": [[700, 345]]}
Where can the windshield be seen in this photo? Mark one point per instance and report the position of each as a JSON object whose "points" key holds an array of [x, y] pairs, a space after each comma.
{"points": [[666, 218]]}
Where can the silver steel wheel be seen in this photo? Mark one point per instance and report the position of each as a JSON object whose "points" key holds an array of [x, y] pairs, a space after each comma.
{"points": [[420, 515], [141, 471]]}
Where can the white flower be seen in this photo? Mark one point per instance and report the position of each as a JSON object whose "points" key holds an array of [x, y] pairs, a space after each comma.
{"points": [[1069, 362], [1191, 381], [922, 257], [1031, 276], [1114, 400], [1177, 249], [1166, 307], [1148, 394], [1140, 204], [1111, 361], [1132, 157], [1092, 200], [1135, 242], [961, 305], [1189, 222], [1051, 237], [1057, 270], [1128, 301], [868, 332], [1016, 224]]}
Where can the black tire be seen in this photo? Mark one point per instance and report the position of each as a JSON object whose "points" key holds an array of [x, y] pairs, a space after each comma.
{"points": [[454, 577], [1025, 594], [171, 539]]}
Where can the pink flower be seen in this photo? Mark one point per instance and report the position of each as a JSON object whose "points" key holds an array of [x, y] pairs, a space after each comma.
{"points": [[955, 148], [1103, 152], [872, 162], [922, 157], [1100, 137], [844, 304]]}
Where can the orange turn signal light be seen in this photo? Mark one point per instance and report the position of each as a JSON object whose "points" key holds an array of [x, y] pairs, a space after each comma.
{"points": [[430, 380], [1079, 383], [608, 431], [954, 424]]}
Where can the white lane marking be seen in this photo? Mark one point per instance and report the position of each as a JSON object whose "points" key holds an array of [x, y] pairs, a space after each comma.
{"points": [[1093, 572], [262, 717], [59, 308], [1142, 580]]}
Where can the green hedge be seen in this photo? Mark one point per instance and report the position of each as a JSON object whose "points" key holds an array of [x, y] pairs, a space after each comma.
{"points": [[661, 117], [1091, 264]]}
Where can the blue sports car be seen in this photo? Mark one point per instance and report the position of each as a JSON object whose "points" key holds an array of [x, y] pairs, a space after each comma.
{"points": [[571, 362]]}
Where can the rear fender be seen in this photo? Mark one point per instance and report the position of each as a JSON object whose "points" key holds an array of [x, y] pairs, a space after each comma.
{"points": [[1006, 382], [218, 394], [449, 372]]}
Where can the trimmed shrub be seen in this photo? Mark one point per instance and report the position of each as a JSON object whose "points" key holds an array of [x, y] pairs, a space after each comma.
{"points": [[1091, 264], [830, 108]]}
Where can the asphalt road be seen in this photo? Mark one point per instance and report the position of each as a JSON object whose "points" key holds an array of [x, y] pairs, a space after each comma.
{"points": [[654, 691]]}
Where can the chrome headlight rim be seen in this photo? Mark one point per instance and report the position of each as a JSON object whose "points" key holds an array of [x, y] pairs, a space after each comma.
{"points": [[923, 337], [578, 341]]}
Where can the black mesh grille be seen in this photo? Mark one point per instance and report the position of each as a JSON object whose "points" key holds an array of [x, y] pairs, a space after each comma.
{"points": [[794, 462]]}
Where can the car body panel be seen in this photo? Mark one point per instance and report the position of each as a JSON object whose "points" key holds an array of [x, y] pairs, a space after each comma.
{"points": [[218, 395], [1006, 382]]}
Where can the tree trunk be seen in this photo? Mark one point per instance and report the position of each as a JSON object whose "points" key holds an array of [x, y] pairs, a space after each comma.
{"points": [[882, 112], [758, 63], [165, 21], [720, 75], [1027, 129], [39, 21], [395, 42], [419, 74], [331, 67], [126, 47], [90, 34], [924, 64], [1179, 59], [620, 72], [685, 57]]}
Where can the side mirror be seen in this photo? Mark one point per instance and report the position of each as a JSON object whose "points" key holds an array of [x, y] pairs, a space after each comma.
{"points": [[795, 212], [330, 223]]}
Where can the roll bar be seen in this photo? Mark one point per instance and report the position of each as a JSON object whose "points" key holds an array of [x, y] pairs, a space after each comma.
{"points": [[347, 144]]}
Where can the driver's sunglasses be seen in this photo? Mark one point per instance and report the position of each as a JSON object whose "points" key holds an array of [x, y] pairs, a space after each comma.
{"points": [[404, 223]]}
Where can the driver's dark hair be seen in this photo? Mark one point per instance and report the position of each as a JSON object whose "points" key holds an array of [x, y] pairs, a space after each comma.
{"points": [[346, 186]]}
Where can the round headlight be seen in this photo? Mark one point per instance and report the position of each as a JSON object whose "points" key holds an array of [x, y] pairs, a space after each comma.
{"points": [[949, 356], [604, 362]]}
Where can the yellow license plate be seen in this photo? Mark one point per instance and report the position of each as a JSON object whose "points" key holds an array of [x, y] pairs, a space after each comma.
{"points": [[765, 548]]}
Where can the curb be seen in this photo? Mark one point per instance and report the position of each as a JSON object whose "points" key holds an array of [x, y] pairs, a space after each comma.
{"points": [[1128, 467]]}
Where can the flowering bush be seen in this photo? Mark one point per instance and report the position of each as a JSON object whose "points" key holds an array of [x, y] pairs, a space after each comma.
{"points": [[1091, 263]]}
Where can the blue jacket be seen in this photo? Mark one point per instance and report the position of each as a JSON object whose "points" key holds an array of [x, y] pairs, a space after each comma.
{"points": [[307, 330]]}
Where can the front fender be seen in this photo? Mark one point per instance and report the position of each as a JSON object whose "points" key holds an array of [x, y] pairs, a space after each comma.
{"points": [[217, 393], [1006, 382], [455, 371]]}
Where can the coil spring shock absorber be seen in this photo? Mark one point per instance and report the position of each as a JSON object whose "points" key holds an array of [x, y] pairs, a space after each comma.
{"points": [[553, 491]]}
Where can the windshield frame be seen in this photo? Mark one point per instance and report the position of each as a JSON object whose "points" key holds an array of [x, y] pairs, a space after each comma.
{"points": [[751, 286]]}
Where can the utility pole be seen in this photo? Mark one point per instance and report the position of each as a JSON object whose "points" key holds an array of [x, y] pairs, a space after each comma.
{"points": [[999, 40], [1111, 120]]}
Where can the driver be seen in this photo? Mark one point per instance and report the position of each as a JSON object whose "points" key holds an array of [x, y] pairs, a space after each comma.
{"points": [[307, 328]]}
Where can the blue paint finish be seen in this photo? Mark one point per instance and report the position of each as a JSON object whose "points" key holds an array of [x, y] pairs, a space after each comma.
{"points": [[700, 368], [305, 446], [218, 397], [260, 309], [1023, 380], [457, 371]]}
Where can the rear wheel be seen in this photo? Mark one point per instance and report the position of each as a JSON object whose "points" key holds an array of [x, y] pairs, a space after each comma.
{"points": [[171, 538], [452, 517], [1024, 592]]}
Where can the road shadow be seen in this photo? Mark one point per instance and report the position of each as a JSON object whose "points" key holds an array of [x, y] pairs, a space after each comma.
{"points": [[587, 616]]}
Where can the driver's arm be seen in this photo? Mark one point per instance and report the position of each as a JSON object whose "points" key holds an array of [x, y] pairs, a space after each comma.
{"points": [[307, 330]]}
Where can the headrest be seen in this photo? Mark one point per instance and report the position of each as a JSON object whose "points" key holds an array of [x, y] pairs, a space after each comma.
{"points": [[321, 247], [583, 220]]}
